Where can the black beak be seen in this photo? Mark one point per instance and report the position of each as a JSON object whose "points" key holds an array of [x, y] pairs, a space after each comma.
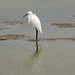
{"points": [[25, 15]]}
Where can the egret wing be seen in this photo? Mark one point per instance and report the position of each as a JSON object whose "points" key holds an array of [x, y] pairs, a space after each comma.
{"points": [[36, 23]]}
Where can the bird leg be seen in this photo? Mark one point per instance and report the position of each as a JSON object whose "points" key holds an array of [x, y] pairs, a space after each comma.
{"points": [[36, 39], [36, 34]]}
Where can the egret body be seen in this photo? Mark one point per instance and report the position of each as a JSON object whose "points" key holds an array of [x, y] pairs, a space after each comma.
{"points": [[34, 20]]}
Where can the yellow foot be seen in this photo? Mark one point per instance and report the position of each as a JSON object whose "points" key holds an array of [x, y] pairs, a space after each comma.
{"points": [[34, 40]]}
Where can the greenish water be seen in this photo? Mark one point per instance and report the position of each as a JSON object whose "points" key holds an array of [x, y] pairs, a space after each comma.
{"points": [[19, 57]]}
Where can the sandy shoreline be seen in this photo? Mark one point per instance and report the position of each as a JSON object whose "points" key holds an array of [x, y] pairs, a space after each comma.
{"points": [[12, 37], [16, 36], [64, 25], [13, 22]]}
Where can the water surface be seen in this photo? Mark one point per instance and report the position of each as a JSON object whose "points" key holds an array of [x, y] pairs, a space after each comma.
{"points": [[54, 57]]}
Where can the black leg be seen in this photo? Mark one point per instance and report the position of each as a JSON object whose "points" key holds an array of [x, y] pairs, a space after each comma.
{"points": [[36, 34], [36, 39]]}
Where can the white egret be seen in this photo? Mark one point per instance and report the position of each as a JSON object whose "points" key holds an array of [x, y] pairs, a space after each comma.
{"points": [[34, 20]]}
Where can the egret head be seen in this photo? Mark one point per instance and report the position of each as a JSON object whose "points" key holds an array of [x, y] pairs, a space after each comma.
{"points": [[28, 13]]}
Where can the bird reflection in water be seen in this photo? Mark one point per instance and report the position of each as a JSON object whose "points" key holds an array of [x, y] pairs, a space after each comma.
{"points": [[34, 59], [36, 46], [35, 56]]}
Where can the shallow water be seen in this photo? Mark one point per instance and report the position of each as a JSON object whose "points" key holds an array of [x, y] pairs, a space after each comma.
{"points": [[54, 57]]}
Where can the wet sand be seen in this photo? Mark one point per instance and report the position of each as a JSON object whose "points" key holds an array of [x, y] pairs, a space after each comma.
{"points": [[16, 37], [54, 39], [73, 15], [13, 22], [64, 25], [12, 37], [2, 28]]}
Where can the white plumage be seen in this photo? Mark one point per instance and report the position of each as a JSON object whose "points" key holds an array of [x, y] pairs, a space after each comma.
{"points": [[32, 18]]}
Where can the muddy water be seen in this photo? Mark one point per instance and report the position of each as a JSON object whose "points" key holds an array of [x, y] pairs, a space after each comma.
{"points": [[56, 46]]}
